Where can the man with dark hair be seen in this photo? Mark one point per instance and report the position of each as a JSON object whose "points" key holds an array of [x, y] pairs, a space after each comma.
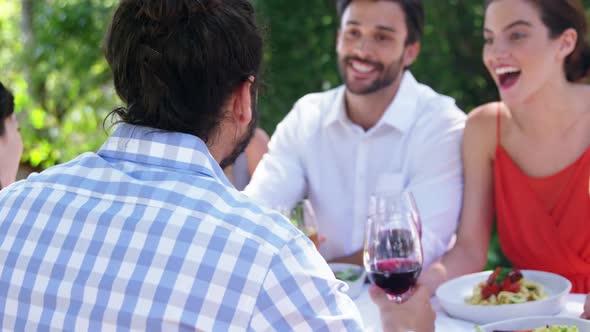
{"points": [[148, 233], [380, 132]]}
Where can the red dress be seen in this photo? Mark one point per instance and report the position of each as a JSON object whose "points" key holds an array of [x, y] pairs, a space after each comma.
{"points": [[544, 223]]}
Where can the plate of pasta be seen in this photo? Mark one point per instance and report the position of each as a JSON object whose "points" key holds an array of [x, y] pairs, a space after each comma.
{"points": [[487, 297], [538, 324], [506, 286]]}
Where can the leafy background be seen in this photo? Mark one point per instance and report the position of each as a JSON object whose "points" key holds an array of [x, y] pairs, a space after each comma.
{"points": [[50, 57]]}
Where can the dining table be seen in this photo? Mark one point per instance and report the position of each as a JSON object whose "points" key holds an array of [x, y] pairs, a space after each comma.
{"points": [[445, 323]]}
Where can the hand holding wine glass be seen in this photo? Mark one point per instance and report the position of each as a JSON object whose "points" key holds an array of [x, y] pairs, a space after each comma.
{"points": [[393, 250], [416, 314]]}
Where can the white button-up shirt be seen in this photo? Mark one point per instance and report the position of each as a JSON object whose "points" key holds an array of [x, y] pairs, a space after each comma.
{"points": [[316, 151]]}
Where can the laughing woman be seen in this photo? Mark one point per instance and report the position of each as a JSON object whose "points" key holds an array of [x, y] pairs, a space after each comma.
{"points": [[527, 158], [11, 144]]}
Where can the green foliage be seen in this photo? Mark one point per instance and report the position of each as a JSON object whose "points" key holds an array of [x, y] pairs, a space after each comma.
{"points": [[450, 61], [59, 77], [299, 55], [495, 255]]}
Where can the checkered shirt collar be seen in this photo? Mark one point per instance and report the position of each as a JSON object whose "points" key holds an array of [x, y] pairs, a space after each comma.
{"points": [[182, 152]]}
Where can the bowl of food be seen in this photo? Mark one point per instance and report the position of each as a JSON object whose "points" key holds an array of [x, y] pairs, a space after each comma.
{"points": [[538, 324], [486, 297], [353, 275]]}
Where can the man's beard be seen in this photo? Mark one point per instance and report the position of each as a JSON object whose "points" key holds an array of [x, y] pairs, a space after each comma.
{"points": [[387, 75], [243, 141]]}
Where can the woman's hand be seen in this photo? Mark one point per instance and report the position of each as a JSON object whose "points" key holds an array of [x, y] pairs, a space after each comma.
{"points": [[416, 314]]}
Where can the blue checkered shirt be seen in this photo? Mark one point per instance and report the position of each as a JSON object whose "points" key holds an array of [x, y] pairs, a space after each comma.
{"points": [[149, 235]]}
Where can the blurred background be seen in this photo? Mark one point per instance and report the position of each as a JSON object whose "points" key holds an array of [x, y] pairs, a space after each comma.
{"points": [[51, 59]]}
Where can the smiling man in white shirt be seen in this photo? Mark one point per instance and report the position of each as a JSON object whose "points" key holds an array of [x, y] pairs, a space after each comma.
{"points": [[334, 146]]}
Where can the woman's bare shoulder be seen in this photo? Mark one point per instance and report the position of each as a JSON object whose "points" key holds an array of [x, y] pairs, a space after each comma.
{"points": [[482, 125], [484, 118], [487, 114]]}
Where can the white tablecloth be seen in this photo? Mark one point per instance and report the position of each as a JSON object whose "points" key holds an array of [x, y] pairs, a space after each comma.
{"points": [[444, 323]]}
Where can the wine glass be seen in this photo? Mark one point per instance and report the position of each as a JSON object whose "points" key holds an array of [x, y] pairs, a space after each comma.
{"points": [[393, 250], [303, 217]]}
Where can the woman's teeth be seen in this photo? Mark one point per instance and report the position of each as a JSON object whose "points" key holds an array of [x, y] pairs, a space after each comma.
{"points": [[506, 70]]}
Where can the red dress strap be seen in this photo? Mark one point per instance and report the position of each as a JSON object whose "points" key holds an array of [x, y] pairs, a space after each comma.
{"points": [[498, 125]]}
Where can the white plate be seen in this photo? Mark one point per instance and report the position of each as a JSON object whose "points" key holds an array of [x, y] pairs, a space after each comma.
{"points": [[452, 294], [354, 287], [536, 322]]}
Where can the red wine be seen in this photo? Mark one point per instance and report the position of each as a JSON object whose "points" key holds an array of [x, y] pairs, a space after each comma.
{"points": [[396, 276]]}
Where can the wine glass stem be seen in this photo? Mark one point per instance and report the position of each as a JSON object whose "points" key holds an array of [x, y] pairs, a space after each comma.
{"points": [[402, 297]]}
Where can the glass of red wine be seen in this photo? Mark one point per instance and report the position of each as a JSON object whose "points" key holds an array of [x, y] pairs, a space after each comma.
{"points": [[393, 250]]}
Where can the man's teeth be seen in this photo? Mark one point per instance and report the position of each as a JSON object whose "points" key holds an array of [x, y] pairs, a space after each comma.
{"points": [[506, 70], [363, 68]]}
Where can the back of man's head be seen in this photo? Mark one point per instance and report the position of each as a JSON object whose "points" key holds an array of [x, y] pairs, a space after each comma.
{"points": [[175, 62], [413, 9]]}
